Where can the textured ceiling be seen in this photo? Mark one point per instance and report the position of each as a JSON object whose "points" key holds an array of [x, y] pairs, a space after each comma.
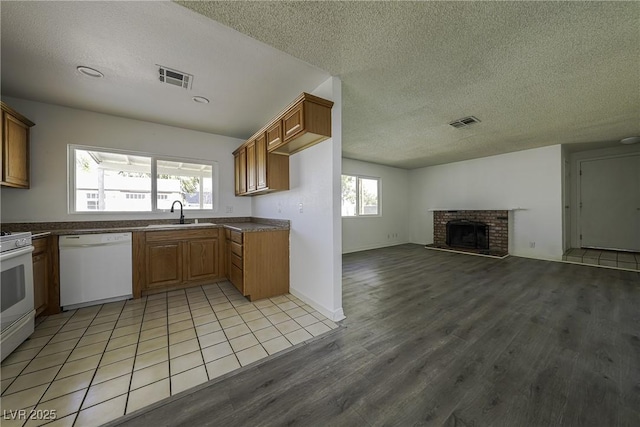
{"points": [[534, 73], [247, 81]]}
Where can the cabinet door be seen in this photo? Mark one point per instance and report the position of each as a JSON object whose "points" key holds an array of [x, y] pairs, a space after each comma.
{"points": [[15, 153], [274, 136], [293, 122], [242, 171], [40, 282], [164, 264], [236, 169], [261, 162], [201, 259], [251, 167]]}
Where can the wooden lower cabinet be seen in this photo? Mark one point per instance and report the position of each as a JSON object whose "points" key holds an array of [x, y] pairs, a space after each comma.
{"points": [[258, 262], [202, 259], [175, 259], [164, 264], [41, 274]]}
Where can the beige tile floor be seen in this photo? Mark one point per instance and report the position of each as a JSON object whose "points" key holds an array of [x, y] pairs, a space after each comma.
{"points": [[98, 363], [607, 258]]}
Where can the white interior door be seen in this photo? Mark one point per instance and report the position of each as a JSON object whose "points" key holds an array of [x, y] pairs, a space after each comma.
{"points": [[610, 203]]}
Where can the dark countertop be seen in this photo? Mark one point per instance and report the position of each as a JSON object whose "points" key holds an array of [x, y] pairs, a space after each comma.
{"points": [[41, 230], [246, 227]]}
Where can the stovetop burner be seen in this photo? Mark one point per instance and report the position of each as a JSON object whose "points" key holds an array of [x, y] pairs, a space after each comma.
{"points": [[5, 233]]}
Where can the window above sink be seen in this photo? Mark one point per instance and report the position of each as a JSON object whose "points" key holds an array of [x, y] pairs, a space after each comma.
{"points": [[108, 180]]}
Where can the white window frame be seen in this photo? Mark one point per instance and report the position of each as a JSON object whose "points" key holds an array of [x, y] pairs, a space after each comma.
{"points": [[358, 201], [71, 180]]}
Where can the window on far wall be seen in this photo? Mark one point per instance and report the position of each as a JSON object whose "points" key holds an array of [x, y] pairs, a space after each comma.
{"points": [[360, 196], [105, 180]]}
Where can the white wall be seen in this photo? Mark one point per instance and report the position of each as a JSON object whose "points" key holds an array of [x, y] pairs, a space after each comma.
{"points": [[530, 179], [392, 228], [316, 261], [56, 127]]}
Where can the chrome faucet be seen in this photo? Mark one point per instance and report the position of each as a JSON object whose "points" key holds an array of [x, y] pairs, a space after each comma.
{"points": [[181, 215]]}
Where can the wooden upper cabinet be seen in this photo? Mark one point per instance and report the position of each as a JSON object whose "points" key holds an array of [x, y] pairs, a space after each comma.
{"points": [[251, 167], [293, 122], [261, 162], [241, 174], [236, 169], [274, 135], [261, 171], [15, 148], [305, 123]]}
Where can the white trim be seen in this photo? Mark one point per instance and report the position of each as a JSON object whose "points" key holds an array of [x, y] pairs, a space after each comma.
{"points": [[334, 315], [370, 247], [472, 209], [358, 178]]}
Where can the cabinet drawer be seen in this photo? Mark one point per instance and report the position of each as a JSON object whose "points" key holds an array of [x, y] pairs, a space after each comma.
{"points": [[236, 260], [235, 275], [236, 236], [236, 249]]}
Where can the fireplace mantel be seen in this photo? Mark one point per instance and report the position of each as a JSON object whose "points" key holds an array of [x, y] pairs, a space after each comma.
{"points": [[460, 209]]}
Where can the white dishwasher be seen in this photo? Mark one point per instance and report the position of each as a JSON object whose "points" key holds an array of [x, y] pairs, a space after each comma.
{"points": [[94, 269]]}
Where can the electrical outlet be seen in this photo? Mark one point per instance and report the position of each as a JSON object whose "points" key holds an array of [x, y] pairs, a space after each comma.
{"points": [[279, 207], [229, 209], [532, 245], [300, 207]]}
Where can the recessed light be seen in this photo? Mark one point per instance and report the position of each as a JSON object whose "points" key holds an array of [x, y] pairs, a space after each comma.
{"points": [[200, 99], [630, 140], [91, 72]]}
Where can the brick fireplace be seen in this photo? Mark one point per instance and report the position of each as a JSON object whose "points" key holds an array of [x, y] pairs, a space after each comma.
{"points": [[496, 221]]}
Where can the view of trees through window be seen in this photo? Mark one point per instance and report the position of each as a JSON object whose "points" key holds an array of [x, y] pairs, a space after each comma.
{"points": [[122, 182], [360, 196]]}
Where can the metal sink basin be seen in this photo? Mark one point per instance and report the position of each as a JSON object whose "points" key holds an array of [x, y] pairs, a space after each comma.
{"points": [[191, 224]]}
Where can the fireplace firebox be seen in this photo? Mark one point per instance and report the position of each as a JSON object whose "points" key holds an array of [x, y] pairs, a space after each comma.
{"points": [[462, 233]]}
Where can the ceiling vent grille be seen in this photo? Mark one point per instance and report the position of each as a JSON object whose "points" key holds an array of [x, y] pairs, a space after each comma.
{"points": [[175, 77], [464, 122]]}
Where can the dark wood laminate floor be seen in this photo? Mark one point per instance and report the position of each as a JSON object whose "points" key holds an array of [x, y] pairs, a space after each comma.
{"points": [[435, 338]]}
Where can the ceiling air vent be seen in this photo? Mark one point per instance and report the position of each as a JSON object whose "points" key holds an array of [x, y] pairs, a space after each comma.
{"points": [[175, 77], [464, 122]]}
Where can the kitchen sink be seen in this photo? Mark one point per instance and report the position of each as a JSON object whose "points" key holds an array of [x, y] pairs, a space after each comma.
{"points": [[191, 224]]}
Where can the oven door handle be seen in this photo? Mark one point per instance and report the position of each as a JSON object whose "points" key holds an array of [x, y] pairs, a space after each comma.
{"points": [[5, 256]]}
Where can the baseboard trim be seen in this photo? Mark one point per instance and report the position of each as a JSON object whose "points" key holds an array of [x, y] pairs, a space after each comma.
{"points": [[370, 247], [335, 315]]}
